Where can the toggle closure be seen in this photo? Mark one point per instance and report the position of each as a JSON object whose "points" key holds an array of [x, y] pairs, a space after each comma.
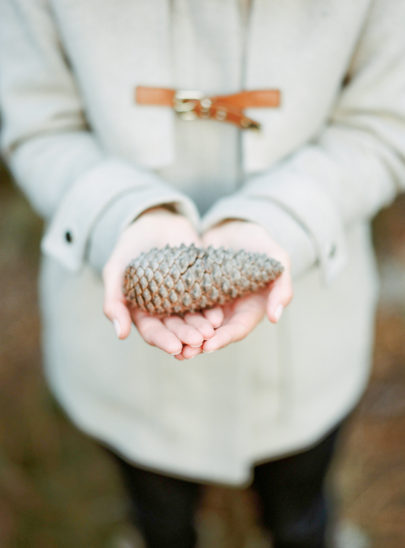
{"points": [[193, 104]]}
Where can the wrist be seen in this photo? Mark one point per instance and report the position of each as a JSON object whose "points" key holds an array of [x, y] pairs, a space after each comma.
{"points": [[230, 220], [162, 220], [164, 209]]}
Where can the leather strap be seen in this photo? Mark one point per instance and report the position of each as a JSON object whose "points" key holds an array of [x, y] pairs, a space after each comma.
{"points": [[190, 105]]}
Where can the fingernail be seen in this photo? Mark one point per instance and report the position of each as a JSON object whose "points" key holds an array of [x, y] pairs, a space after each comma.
{"points": [[175, 353], [117, 327], [278, 312]]}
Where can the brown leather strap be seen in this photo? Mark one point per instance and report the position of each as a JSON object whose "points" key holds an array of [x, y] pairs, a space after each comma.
{"points": [[224, 108], [145, 95], [250, 99]]}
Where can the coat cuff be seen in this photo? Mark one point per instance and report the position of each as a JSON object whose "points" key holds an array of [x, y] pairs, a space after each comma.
{"points": [[297, 214], [102, 192]]}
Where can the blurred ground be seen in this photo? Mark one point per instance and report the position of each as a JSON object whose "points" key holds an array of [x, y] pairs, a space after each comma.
{"points": [[58, 490]]}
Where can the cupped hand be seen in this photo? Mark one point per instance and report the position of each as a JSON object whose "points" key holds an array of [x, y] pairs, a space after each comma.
{"points": [[155, 228], [243, 314]]}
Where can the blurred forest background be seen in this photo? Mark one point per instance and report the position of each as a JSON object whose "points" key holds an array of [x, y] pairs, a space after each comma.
{"points": [[58, 489]]}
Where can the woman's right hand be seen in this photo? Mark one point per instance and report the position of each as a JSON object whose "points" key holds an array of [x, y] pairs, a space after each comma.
{"points": [[174, 335]]}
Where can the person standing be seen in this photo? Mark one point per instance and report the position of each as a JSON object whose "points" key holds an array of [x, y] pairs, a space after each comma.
{"points": [[114, 175]]}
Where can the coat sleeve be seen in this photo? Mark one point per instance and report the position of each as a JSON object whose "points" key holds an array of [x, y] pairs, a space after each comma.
{"points": [[354, 168], [85, 195]]}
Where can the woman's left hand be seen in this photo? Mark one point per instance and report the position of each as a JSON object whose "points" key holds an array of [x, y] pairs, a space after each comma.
{"points": [[243, 314]]}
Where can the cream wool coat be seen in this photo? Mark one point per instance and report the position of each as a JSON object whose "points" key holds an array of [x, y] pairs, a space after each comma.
{"points": [[90, 161]]}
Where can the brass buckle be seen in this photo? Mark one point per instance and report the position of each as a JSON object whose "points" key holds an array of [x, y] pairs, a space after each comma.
{"points": [[185, 102]]}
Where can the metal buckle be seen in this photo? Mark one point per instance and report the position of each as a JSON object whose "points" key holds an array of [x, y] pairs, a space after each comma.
{"points": [[185, 102]]}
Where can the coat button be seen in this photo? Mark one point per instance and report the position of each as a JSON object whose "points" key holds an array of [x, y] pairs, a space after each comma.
{"points": [[68, 236]]}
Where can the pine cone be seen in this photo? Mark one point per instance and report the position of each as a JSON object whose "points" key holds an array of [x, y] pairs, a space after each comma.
{"points": [[177, 280]]}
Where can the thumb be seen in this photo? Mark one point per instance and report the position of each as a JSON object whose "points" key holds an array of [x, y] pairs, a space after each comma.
{"points": [[280, 295], [114, 306]]}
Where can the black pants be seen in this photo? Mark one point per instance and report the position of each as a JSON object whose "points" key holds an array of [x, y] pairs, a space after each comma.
{"points": [[291, 492]]}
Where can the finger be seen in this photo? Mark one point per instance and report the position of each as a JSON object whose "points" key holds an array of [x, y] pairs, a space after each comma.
{"points": [[279, 297], [200, 323], [155, 333], [224, 335], [114, 305], [186, 333], [246, 316], [179, 357], [190, 352], [215, 316]]}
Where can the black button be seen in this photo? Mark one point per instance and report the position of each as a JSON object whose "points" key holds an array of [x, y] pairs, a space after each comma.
{"points": [[68, 237]]}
